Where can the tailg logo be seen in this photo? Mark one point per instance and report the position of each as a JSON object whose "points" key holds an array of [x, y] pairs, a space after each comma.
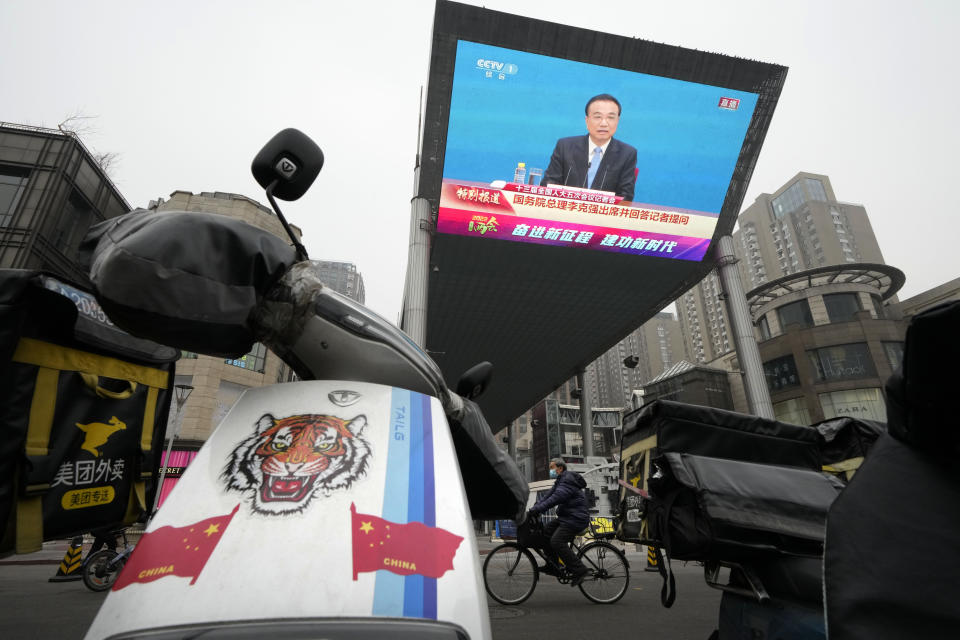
{"points": [[493, 68]]}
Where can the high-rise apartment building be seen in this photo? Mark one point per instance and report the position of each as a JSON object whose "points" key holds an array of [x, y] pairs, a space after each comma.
{"points": [[702, 315], [800, 226], [343, 278], [657, 344]]}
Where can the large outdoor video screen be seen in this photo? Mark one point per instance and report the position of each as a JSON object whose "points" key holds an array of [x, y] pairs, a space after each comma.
{"points": [[510, 107]]}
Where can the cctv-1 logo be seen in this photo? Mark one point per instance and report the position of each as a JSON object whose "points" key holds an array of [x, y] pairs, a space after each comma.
{"points": [[493, 67]]}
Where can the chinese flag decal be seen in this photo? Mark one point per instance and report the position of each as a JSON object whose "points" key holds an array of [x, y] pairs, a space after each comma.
{"points": [[405, 549], [174, 551]]}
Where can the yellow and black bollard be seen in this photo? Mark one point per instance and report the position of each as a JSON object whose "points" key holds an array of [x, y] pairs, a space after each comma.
{"points": [[651, 559], [69, 568]]}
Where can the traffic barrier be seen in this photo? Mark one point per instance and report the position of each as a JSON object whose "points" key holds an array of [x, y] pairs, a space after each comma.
{"points": [[72, 562], [651, 559]]}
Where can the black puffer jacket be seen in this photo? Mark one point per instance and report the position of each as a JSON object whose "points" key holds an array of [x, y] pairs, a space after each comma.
{"points": [[568, 497]]}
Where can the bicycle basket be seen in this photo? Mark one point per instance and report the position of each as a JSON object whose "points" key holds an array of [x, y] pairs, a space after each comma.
{"points": [[530, 532], [603, 528]]}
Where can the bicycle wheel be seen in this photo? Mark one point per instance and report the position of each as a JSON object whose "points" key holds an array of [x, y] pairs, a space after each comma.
{"points": [[609, 572], [100, 572], [510, 574]]}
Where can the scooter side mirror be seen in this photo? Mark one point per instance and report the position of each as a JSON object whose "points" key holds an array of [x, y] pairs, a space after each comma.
{"points": [[289, 163], [475, 380]]}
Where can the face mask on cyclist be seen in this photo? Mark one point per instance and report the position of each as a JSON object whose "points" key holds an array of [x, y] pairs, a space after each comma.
{"points": [[553, 473]]}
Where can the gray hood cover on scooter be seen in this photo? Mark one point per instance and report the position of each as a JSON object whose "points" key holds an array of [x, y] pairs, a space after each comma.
{"points": [[185, 279], [494, 484], [193, 280]]}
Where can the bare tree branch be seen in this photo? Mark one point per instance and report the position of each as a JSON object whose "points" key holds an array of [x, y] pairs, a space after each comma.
{"points": [[107, 161], [81, 125], [78, 124]]}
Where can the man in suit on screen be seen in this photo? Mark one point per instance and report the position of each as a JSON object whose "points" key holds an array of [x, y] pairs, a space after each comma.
{"points": [[595, 161]]}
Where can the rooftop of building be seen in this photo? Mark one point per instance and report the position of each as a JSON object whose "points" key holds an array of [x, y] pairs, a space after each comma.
{"points": [[941, 290], [682, 367], [885, 279], [66, 133], [222, 195]]}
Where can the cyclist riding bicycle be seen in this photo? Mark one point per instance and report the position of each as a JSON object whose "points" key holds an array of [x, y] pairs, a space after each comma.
{"points": [[573, 516], [104, 538]]}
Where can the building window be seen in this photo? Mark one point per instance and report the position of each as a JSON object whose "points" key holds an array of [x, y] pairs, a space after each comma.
{"points": [[72, 224], [894, 351], [793, 411], [797, 313], [867, 404], [12, 183], [781, 373], [841, 307], [254, 361], [815, 189], [788, 201], [843, 362], [764, 327], [878, 307]]}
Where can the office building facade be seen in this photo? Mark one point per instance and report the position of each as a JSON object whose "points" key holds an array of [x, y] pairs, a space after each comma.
{"points": [[691, 384], [941, 294], [828, 342], [52, 189]]}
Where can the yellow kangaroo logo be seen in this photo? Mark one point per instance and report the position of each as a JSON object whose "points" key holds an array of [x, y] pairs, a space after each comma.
{"points": [[97, 434]]}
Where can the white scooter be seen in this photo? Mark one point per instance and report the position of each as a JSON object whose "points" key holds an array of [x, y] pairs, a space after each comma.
{"points": [[339, 506]]}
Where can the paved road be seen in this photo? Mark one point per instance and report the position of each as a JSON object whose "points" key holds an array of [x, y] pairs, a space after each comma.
{"points": [[561, 611], [32, 608]]}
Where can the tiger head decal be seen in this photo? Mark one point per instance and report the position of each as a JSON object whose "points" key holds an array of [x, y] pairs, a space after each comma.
{"points": [[286, 462]]}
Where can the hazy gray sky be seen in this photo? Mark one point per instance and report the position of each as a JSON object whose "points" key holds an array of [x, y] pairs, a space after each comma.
{"points": [[187, 93]]}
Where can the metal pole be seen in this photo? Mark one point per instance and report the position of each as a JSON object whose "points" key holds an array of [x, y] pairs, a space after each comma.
{"points": [[758, 396], [586, 417], [182, 392], [414, 322], [512, 441]]}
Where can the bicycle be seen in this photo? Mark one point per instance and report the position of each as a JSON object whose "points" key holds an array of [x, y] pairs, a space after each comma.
{"points": [[510, 572], [101, 568]]}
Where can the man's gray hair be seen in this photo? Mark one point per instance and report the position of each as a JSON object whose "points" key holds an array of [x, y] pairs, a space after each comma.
{"points": [[559, 462]]}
